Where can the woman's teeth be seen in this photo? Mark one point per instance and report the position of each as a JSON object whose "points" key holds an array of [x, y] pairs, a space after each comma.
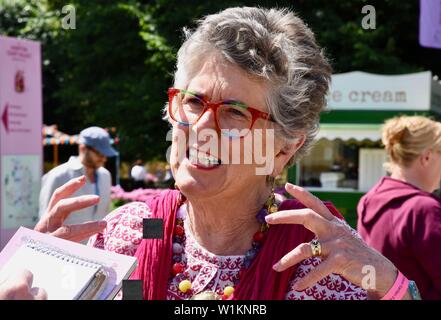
{"points": [[205, 160]]}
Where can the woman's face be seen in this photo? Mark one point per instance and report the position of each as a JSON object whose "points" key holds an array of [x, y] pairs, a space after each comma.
{"points": [[214, 171]]}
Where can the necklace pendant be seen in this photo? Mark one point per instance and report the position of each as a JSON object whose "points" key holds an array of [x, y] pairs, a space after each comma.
{"points": [[273, 208], [206, 295]]}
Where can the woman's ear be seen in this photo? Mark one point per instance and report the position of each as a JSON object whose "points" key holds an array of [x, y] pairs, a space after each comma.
{"points": [[286, 152], [425, 157]]}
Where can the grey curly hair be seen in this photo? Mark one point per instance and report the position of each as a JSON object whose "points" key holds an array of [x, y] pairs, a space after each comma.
{"points": [[273, 45]]}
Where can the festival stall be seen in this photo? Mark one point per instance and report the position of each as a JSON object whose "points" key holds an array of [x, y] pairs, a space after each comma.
{"points": [[347, 158]]}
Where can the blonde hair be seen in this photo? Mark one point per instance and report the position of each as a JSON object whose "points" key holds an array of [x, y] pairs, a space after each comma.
{"points": [[406, 137]]}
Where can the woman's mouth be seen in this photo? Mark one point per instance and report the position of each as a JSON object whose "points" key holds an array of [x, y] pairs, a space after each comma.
{"points": [[202, 160]]}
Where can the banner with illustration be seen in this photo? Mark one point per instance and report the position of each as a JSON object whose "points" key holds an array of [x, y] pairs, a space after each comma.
{"points": [[20, 134]]}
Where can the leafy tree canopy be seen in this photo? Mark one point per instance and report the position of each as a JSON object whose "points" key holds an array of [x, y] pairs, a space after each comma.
{"points": [[113, 70]]}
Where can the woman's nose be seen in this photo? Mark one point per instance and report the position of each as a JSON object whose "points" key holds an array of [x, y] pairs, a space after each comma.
{"points": [[206, 121]]}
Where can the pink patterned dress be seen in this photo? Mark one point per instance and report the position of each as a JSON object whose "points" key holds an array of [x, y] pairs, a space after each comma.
{"points": [[208, 271]]}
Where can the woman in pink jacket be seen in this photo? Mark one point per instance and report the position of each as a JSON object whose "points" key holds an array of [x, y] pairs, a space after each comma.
{"points": [[399, 216]]}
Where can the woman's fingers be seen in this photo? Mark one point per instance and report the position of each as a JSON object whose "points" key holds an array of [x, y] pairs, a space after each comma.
{"points": [[26, 277], [19, 286], [61, 207], [324, 269], [66, 190], [54, 218], [300, 253], [306, 217], [39, 293], [309, 200], [79, 232], [65, 206]]}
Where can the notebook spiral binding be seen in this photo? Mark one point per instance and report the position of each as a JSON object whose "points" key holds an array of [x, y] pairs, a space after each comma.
{"points": [[60, 254]]}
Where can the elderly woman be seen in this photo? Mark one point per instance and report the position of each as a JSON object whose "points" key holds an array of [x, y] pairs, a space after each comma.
{"points": [[246, 72], [245, 69], [399, 216]]}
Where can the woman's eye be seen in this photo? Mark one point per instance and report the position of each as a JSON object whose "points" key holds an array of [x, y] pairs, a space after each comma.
{"points": [[193, 102], [236, 113]]}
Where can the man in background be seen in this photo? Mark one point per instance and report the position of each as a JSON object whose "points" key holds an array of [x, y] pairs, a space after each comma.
{"points": [[93, 149]]}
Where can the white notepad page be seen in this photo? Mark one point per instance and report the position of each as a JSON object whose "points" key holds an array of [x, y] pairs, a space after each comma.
{"points": [[116, 266], [61, 279]]}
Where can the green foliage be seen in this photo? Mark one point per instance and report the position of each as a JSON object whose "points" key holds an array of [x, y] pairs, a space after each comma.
{"points": [[113, 70], [116, 203], [28, 19]]}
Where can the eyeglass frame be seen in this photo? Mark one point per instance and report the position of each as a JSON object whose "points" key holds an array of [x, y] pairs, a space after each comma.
{"points": [[256, 114]]}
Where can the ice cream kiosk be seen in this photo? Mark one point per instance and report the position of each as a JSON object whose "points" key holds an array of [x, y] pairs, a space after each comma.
{"points": [[347, 157]]}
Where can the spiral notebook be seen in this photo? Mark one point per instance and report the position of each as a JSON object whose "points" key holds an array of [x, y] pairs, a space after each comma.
{"points": [[64, 269]]}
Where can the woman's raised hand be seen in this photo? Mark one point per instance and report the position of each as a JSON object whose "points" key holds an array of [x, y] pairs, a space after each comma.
{"points": [[342, 251], [61, 206]]}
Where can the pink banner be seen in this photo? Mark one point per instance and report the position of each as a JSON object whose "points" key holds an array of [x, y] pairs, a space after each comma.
{"points": [[20, 97], [20, 134], [430, 23]]}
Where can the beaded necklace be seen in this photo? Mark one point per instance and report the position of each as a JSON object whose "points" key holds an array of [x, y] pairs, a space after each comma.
{"points": [[179, 266]]}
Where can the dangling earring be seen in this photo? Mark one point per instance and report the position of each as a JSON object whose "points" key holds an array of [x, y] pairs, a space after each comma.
{"points": [[269, 207], [271, 203]]}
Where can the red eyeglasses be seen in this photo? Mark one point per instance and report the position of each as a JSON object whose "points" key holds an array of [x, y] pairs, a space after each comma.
{"points": [[186, 108]]}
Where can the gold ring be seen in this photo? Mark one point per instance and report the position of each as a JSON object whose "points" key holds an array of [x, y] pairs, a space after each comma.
{"points": [[316, 248]]}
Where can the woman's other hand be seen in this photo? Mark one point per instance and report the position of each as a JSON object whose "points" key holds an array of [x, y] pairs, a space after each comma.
{"points": [[61, 206], [342, 252]]}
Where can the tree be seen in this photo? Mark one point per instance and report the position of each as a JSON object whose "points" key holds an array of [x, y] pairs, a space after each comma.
{"points": [[114, 69]]}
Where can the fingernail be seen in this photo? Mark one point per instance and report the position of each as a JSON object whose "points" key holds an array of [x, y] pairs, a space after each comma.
{"points": [[269, 218], [92, 197], [289, 186], [276, 267]]}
